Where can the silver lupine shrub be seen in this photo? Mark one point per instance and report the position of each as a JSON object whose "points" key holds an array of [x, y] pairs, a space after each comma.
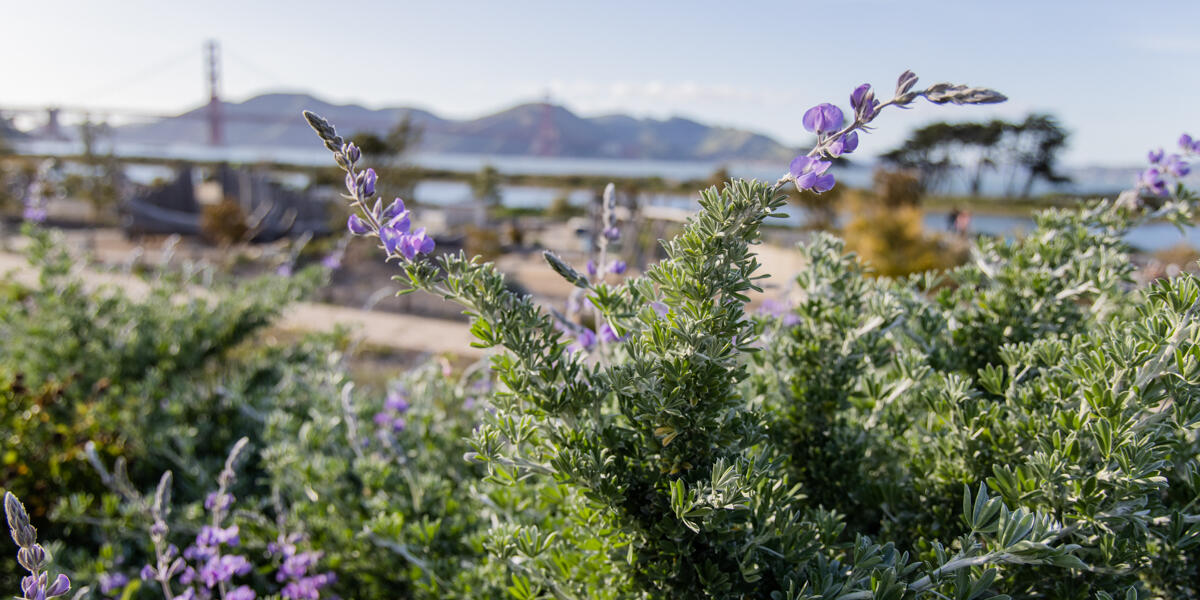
{"points": [[700, 492]]}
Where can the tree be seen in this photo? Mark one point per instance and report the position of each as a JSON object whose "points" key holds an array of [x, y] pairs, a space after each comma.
{"points": [[1043, 139], [939, 150]]}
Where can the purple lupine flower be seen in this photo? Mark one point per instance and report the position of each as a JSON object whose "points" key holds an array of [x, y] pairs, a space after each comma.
{"points": [[609, 335], [392, 239], [188, 594], [863, 101], [352, 152], [584, 339], [591, 268], [307, 588], [220, 569], [1151, 179], [215, 536], [823, 118], [199, 553], [395, 401], [809, 174], [148, 573], [395, 209], [1155, 156], [1176, 166], [110, 582], [187, 576], [297, 565], [612, 233], [660, 308], [357, 225], [1188, 144], [368, 183], [39, 588], [617, 267], [243, 592], [35, 214], [845, 144], [417, 242], [218, 501]]}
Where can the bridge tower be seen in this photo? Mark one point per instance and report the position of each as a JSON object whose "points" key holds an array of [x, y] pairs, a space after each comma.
{"points": [[215, 124]]}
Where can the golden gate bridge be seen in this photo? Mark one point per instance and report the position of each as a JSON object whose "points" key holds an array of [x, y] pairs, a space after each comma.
{"points": [[48, 122]]}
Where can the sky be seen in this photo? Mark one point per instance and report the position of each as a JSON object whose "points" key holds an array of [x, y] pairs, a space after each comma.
{"points": [[1121, 76]]}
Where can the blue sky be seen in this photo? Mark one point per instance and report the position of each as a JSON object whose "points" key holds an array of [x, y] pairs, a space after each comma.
{"points": [[1120, 75]]}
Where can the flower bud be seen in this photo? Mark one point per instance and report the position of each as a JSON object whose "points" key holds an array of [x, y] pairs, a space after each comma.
{"points": [[357, 226], [32, 558], [368, 187], [905, 82]]}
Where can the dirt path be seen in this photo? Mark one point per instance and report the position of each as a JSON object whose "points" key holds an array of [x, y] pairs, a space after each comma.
{"points": [[384, 329]]}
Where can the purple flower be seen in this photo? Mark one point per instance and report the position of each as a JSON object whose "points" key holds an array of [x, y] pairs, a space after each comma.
{"points": [[216, 501], [591, 268], [823, 118], [617, 267], [357, 225], [368, 185], [584, 338], [418, 242], [809, 174], [222, 568], [284, 270], [660, 308], [188, 576], [608, 334], [147, 573], [1188, 144], [35, 214], [863, 101], [845, 144], [1151, 180], [307, 588], [1176, 166], [395, 209], [110, 582], [612, 233], [332, 261], [215, 536], [1155, 156], [38, 588], [297, 565], [243, 592], [396, 402]]}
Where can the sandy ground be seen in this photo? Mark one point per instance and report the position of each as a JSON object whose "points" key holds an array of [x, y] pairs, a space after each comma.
{"points": [[377, 328]]}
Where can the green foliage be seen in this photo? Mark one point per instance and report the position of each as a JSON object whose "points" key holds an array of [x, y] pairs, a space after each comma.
{"points": [[1035, 370], [157, 380]]}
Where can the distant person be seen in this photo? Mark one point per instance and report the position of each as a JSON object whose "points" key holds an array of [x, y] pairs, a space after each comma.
{"points": [[952, 219], [962, 223]]}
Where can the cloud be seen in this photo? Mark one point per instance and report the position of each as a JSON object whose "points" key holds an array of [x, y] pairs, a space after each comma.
{"points": [[665, 94], [1166, 43]]}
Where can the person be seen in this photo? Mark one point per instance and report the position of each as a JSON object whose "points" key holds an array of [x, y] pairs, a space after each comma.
{"points": [[952, 219], [962, 223]]}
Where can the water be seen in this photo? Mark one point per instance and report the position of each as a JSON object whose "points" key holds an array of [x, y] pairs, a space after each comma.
{"points": [[1151, 237]]}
